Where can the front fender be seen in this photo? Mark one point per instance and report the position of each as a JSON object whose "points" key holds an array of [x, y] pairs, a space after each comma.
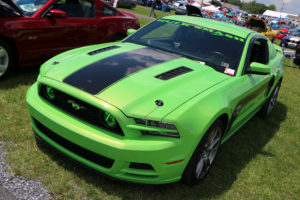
{"points": [[194, 118]]}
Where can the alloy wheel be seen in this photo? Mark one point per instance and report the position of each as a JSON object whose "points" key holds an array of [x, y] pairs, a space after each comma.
{"points": [[4, 61], [210, 150], [273, 99]]}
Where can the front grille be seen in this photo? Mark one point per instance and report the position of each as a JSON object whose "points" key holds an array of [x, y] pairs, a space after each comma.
{"points": [[79, 109], [173, 73], [82, 152]]}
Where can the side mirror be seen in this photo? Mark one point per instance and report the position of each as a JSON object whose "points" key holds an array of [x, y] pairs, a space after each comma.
{"points": [[57, 14], [130, 31], [258, 68]]}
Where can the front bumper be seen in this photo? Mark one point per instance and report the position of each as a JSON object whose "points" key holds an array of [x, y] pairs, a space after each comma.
{"points": [[140, 159]]}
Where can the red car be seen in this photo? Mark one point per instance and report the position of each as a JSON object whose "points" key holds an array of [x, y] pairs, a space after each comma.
{"points": [[32, 31], [282, 33]]}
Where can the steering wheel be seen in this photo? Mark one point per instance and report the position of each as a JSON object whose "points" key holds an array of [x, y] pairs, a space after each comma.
{"points": [[215, 57]]}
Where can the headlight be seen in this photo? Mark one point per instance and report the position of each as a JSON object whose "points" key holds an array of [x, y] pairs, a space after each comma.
{"points": [[48, 92], [162, 128], [108, 120]]}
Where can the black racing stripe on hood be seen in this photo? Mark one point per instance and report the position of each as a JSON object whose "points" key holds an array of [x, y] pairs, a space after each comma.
{"points": [[95, 77]]}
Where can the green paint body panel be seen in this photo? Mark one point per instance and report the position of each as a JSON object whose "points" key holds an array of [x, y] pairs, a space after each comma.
{"points": [[192, 102]]}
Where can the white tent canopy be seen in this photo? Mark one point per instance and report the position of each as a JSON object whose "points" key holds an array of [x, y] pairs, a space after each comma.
{"points": [[271, 13], [211, 8]]}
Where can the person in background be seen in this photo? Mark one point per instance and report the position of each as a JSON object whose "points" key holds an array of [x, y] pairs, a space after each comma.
{"points": [[152, 9]]}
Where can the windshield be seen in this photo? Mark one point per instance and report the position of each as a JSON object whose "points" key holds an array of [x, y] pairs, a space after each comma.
{"points": [[30, 7], [219, 50]]}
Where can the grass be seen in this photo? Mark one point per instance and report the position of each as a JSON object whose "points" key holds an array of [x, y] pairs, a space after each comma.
{"points": [[142, 10], [261, 161]]}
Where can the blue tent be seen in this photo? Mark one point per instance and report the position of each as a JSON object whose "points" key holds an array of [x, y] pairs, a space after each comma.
{"points": [[286, 26], [182, 2], [297, 29], [235, 11]]}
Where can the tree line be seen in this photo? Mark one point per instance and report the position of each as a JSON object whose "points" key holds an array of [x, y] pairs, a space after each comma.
{"points": [[252, 6]]}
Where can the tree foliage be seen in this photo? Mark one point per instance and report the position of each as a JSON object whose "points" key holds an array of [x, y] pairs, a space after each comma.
{"points": [[252, 6], [272, 7]]}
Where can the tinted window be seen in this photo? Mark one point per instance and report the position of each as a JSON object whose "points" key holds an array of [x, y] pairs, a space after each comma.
{"points": [[108, 11], [259, 52], [6, 10], [214, 48], [30, 7], [77, 8]]}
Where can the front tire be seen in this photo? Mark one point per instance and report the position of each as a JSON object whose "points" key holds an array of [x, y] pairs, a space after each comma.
{"points": [[204, 155], [6, 59]]}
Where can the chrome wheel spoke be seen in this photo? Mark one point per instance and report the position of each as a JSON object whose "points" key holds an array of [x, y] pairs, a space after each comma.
{"points": [[2, 68], [3, 60], [3, 53], [273, 100], [209, 152], [199, 167], [206, 163], [213, 144]]}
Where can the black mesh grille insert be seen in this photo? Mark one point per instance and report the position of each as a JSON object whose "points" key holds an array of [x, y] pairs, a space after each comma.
{"points": [[134, 165], [79, 109], [102, 50], [173, 73], [84, 153]]}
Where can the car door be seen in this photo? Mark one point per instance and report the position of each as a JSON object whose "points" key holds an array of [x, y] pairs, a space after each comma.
{"points": [[47, 35], [251, 88]]}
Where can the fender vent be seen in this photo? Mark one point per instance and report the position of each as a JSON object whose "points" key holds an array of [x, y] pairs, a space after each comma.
{"points": [[102, 50], [173, 73]]}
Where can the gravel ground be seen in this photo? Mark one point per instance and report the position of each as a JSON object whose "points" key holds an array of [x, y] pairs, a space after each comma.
{"points": [[16, 187]]}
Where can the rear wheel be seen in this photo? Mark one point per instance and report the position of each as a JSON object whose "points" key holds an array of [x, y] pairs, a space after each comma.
{"points": [[117, 38], [269, 105], [131, 6], [204, 155], [6, 59]]}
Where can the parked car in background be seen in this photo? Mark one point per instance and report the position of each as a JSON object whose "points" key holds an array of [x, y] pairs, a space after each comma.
{"points": [[260, 26], [155, 107], [282, 33], [297, 56], [292, 40], [123, 3], [33, 31]]}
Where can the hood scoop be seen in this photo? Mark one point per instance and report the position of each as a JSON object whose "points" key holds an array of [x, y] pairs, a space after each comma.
{"points": [[102, 50], [173, 73]]}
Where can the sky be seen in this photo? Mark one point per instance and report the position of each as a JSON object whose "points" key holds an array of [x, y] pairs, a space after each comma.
{"points": [[290, 6]]}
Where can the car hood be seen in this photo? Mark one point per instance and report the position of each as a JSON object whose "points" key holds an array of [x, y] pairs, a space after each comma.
{"points": [[14, 6], [256, 22], [134, 78], [128, 13]]}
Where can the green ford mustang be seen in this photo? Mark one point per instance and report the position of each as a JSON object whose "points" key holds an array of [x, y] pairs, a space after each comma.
{"points": [[155, 107]]}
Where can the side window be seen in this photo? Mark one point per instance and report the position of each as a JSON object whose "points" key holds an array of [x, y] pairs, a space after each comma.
{"points": [[259, 52], [77, 8], [108, 11]]}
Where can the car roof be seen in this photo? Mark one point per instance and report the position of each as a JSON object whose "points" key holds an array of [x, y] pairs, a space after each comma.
{"points": [[214, 24]]}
